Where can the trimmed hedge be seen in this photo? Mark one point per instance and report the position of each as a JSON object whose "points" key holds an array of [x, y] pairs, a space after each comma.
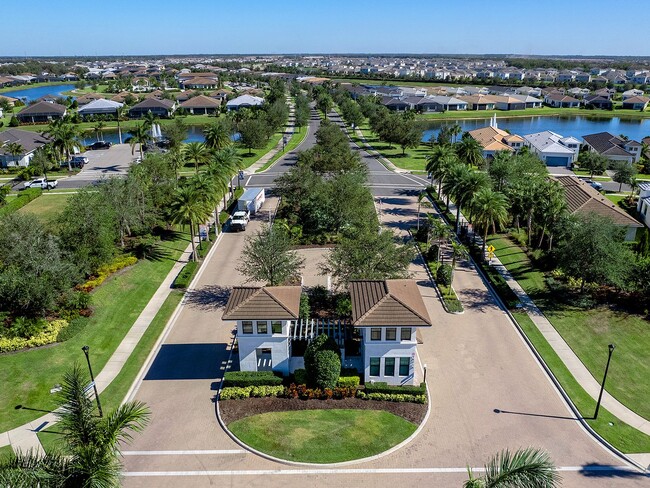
{"points": [[23, 198], [237, 392], [251, 378], [300, 376], [392, 397], [348, 381], [443, 275], [383, 387], [304, 393], [185, 276]]}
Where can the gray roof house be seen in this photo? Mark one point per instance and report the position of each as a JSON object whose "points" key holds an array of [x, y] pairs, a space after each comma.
{"points": [[100, 106], [244, 101], [553, 149], [160, 108], [30, 142], [41, 112], [612, 147]]}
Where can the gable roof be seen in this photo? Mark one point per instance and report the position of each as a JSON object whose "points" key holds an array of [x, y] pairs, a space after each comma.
{"points": [[607, 144], [155, 103], [387, 302], [264, 303], [101, 105], [490, 138], [583, 199], [549, 142]]}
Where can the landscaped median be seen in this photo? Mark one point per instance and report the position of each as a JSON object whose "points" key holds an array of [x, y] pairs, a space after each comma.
{"points": [[309, 424]]}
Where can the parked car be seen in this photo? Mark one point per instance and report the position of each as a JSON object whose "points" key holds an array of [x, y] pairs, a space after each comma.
{"points": [[78, 161], [239, 220], [593, 184], [100, 145], [41, 183]]}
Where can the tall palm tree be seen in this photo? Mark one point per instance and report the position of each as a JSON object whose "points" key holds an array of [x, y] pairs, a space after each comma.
{"points": [[461, 185], [197, 152], [230, 158], [205, 187], [14, 148], [149, 119], [120, 112], [92, 444], [455, 130], [139, 135], [552, 207], [65, 138], [439, 161], [524, 468], [98, 128], [439, 231], [221, 173], [187, 208], [458, 252], [421, 197], [489, 209], [470, 151], [217, 136]]}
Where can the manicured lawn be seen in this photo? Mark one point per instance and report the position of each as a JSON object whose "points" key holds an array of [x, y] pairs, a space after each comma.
{"points": [[249, 157], [585, 172], [323, 436], [112, 396], [5, 451], [515, 259], [413, 159], [47, 207], [619, 434], [294, 142], [27, 376], [616, 198]]}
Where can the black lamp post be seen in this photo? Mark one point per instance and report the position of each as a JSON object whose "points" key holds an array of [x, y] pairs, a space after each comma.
{"points": [[602, 386], [85, 349]]}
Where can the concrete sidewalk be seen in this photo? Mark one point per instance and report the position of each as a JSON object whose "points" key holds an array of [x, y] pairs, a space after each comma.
{"points": [[289, 131]]}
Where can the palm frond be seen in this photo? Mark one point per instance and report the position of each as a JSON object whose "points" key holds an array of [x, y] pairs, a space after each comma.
{"points": [[525, 468], [121, 422], [76, 413]]}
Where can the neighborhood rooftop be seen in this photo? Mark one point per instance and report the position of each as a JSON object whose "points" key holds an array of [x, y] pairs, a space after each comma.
{"points": [[271, 302]]}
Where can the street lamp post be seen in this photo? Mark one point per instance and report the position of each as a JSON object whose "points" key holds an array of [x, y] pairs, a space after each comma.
{"points": [[611, 348], [85, 349], [425, 372]]}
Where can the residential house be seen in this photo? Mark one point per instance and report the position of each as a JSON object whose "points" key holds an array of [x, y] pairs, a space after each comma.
{"points": [[612, 147], [553, 149], [582, 199], [643, 206], [492, 139], [10, 100], [200, 83], [636, 103], [479, 102], [508, 102], [598, 101], [559, 100], [41, 112], [396, 104], [385, 316], [578, 92], [100, 107], [30, 141], [161, 108], [634, 92], [201, 105], [449, 104], [244, 101], [528, 100]]}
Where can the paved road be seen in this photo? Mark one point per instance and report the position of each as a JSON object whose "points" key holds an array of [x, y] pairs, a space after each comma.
{"points": [[103, 163], [487, 390]]}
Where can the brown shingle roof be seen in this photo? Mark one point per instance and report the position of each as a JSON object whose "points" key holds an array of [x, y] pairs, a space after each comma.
{"points": [[583, 199], [268, 303], [201, 101], [43, 108], [389, 302]]}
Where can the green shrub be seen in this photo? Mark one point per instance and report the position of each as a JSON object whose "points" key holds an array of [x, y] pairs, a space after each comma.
{"points": [[14, 122], [47, 335], [305, 310], [348, 381], [74, 327], [105, 270], [300, 376], [383, 387], [237, 392], [23, 198], [203, 251], [343, 305], [304, 393], [26, 327], [326, 370], [251, 378], [185, 276], [443, 275], [393, 397], [432, 253]]}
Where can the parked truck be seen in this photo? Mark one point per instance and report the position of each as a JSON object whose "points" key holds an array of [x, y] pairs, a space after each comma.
{"points": [[251, 200], [41, 183]]}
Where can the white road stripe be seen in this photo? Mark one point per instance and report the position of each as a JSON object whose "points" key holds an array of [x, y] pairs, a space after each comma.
{"points": [[184, 453], [321, 471]]}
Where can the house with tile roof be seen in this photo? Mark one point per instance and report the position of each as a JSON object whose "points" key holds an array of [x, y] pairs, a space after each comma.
{"points": [[380, 339], [559, 100], [160, 108], [492, 139], [201, 105], [553, 149], [41, 112], [244, 101], [613, 147], [582, 199], [636, 103]]}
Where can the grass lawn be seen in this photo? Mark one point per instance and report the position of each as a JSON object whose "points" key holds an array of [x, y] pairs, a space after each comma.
{"points": [[27, 376], [47, 207], [250, 157], [543, 111], [619, 434], [112, 396], [585, 172], [5, 451], [294, 142], [589, 331], [615, 198], [323, 436], [413, 159], [34, 85]]}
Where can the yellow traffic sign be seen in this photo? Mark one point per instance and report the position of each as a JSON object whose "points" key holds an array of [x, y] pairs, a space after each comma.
{"points": [[491, 248]]}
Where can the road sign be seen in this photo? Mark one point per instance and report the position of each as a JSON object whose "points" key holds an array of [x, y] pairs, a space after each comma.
{"points": [[491, 249], [241, 175], [490, 255]]}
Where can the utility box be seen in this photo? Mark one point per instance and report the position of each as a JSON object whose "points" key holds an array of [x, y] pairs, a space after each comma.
{"points": [[252, 200]]}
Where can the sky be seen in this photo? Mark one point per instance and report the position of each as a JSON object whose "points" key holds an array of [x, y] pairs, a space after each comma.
{"points": [[132, 27]]}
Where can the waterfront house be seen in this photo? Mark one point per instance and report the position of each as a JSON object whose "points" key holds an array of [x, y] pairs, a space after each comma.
{"points": [[634, 92], [492, 139], [30, 141], [553, 149], [201, 105], [613, 147], [100, 107], [598, 101], [636, 103], [562, 101], [244, 101], [582, 199], [160, 108], [41, 112], [479, 102]]}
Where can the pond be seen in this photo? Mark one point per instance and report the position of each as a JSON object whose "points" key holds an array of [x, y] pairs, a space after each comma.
{"points": [[29, 94], [576, 126], [194, 134]]}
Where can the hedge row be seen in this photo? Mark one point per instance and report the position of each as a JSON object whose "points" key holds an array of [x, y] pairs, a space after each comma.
{"points": [[23, 198], [48, 335], [106, 270], [392, 397], [238, 392], [185, 276], [383, 387], [348, 381], [251, 378], [304, 393]]}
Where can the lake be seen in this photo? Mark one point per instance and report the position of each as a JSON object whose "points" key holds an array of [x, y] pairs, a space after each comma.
{"points": [[576, 126], [29, 94], [194, 134]]}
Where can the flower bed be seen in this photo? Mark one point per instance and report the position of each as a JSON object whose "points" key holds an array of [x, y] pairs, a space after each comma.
{"points": [[106, 270], [46, 336]]}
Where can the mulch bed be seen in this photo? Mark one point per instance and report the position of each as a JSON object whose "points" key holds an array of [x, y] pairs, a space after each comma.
{"points": [[232, 410]]}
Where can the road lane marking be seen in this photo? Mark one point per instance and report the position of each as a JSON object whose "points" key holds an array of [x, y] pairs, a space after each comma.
{"points": [[203, 452]]}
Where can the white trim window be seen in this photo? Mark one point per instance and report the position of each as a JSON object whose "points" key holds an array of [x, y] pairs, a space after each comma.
{"points": [[391, 334], [247, 327], [262, 327]]}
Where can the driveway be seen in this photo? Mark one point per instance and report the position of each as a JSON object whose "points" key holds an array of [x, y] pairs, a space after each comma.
{"points": [[102, 163]]}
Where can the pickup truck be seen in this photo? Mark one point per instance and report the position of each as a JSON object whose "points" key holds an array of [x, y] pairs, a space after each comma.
{"points": [[41, 183], [239, 220]]}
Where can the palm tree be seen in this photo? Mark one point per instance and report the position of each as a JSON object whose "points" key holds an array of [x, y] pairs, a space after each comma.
{"points": [[187, 208], [470, 152], [149, 119], [139, 135], [197, 152], [455, 130], [14, 148], [489, 209], [458, 252], [525, 468], [230, 158], [439, 231], [461, 185], [119, 113], [217, 136], [421, 197], [99, 127], [221, 173], [552, 207], [205, 187], [439, 161], [92, 444], [65, 138]]}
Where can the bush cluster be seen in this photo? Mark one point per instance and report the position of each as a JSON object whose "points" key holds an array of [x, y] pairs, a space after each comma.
{"points": [[251, 378], [348, 381], [47, 335], [443, 275], [300, 376], [383, 387], [106, 270], [322, 362], [23, 198], [239, 392], [392, 397], [185, 276], [305, 393]]}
